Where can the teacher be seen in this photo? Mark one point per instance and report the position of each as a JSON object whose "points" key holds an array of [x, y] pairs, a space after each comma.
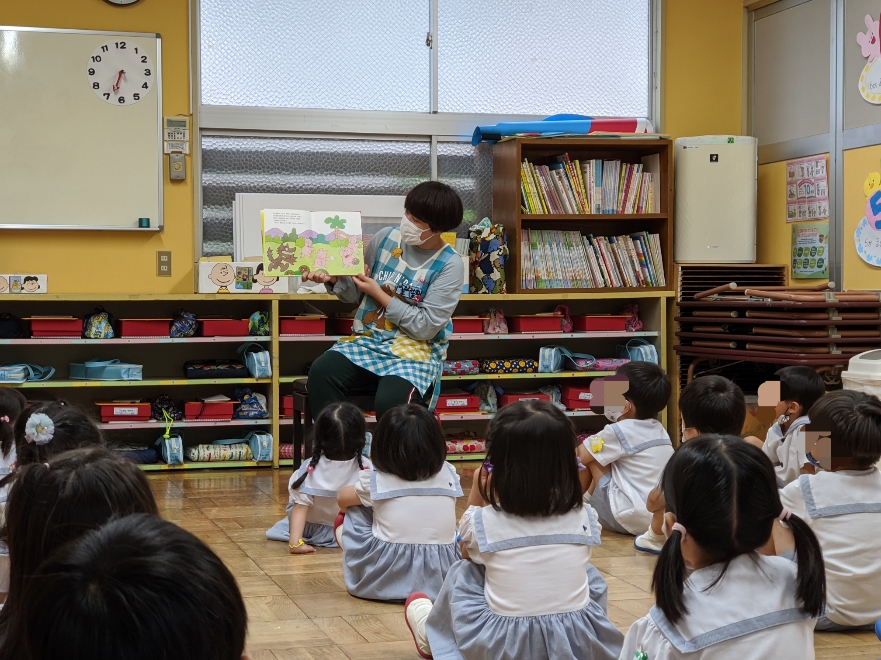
{"points": [[411, 284]]}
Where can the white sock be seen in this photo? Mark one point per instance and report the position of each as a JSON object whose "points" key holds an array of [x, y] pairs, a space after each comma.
{"points": [[417, 614]]}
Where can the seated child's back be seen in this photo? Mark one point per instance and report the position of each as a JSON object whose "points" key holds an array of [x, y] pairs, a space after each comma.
{"points": [[842, 504]]}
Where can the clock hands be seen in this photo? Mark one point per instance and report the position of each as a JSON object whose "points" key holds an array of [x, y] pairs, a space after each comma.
{"points": [[119, 79]]}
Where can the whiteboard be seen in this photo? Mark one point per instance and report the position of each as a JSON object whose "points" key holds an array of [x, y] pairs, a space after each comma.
{"points": [[376, 211], [68, 159]]}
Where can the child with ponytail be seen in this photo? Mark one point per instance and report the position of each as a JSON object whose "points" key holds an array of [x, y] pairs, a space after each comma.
{"points": [[722, 504], [336, 462], [12, 402]]}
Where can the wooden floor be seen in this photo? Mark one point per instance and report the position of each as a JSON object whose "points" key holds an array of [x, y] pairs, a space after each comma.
{"points": [[298, 606]]}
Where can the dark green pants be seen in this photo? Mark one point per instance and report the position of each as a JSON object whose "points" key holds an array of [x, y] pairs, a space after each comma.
{"points": [[333, 376]]}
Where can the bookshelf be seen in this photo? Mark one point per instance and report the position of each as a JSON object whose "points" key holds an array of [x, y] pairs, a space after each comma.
{"points": [[507, 159]]}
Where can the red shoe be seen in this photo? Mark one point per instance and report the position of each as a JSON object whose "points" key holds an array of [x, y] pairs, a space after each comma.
{"points": [[338, 528], [416, 609]]}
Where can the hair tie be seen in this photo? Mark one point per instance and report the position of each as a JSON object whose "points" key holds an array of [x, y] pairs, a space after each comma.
{"points": [[39, 429], [784, 514], [679, 528], [488, 467], [47, 465], [309, 469], [5, 418]]}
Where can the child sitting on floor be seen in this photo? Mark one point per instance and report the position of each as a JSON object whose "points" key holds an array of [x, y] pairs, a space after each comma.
{"points": [[399, 531], [138, 588], [842, 505], [709, 404], [625, 459], [312, 491], [722, 504], [523, 588], [800, 388], [12, 403]]}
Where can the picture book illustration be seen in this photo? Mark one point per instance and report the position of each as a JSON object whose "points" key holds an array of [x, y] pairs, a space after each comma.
{"points": [[299, 242]]}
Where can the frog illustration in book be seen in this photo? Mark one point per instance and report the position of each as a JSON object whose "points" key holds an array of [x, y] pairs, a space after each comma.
{"points": [[223, 275]]}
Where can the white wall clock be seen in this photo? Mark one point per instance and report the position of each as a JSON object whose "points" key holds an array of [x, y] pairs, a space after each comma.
{"points": [[122, 3], [120, 73]]}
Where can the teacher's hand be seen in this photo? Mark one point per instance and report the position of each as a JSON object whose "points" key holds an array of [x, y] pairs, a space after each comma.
{"points": [[319, 278], [370, 286]]}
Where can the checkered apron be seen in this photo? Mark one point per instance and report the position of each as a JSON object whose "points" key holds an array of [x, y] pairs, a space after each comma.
{"points": [[380, 346]]}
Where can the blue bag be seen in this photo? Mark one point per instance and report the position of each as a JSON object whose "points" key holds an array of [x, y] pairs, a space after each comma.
{"points": [[638, 350], [553, 359], [261, 446], [106, 370], [257, 360], [171, 446], [20, 373]]}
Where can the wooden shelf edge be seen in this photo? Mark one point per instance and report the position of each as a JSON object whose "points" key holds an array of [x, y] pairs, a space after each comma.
{"points": [[526, 217], [575, 294]]}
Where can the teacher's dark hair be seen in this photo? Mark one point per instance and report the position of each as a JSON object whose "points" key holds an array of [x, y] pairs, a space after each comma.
{"points": [[435, 203]]}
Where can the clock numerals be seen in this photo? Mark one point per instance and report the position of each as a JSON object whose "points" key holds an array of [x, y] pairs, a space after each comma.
{"points": [[116, 69]]}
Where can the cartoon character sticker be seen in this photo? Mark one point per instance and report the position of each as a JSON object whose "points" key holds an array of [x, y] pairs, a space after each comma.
{"points": [[263, 280], [4, 285], [243, 277], [30, 284], [15, 283], [223, 275]]}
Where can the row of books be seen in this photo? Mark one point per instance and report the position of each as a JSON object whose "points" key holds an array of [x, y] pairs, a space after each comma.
{"points": [[590, 187], [554, 259]]}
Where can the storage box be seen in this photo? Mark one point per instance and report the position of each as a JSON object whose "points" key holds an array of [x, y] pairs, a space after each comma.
{"points": [[302, 325], [236, 277], [144, 327], [576, 397], [467, 325], [536, 323], [224, 327], [340, 326], [55, 327], [514, 397], [119, 411], [600, 323], [864, 373], [219, 410], [287, 406], [457, 401]]}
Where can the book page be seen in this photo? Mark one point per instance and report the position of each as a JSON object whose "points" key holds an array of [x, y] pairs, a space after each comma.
{"points": [[333, 243], [281, 231]]}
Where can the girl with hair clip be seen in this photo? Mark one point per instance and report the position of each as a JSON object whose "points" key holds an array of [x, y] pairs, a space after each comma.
{"points": [[722, 504], [312, 490], [12, 403], [399, 530], [524, 588], [53, 503]]}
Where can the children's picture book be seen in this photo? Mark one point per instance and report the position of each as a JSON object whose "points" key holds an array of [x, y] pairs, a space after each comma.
{"points": [[299, 242]]}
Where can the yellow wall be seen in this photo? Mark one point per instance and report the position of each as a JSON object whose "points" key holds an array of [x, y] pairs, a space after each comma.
{"points": [[703, 67], [858, 164], [109, 262]]}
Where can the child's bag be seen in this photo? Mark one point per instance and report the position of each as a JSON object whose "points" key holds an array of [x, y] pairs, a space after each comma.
{"points": [[220, 450], [508, 366], [260, 443], [98, 325], [251, 405], [183, 324], [553, 359], [258, 324], [21, 373], [10, 326], [165, 407], [171, 447], [106, 370], [496, 324], [489, 252], [461, 367], [256, 359], [638, 350]]}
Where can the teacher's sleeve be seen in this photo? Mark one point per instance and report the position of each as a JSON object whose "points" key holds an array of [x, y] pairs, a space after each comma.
{"points": [[431, 315], [345, 288]]}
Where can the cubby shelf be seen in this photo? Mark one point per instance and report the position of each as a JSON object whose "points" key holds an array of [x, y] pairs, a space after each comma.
{"points": [[527, 217], [173, 382], [462, 417], [213, 465], [122, 341], [155, 424], [478, 336]]}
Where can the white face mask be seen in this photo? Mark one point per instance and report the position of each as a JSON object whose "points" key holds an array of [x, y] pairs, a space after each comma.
{"points": [[613, 415], [411, 234]]}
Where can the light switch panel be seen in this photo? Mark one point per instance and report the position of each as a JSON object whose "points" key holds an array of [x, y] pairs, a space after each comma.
{"points": [[177, 167]]}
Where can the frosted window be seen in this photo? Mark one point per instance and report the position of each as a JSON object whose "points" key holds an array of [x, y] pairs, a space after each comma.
{"points": [[533, 57], [469, 170], [344, 55], [300, 165]]}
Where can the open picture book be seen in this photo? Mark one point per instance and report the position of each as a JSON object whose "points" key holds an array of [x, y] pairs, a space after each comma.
{"points": [[298, 242]]}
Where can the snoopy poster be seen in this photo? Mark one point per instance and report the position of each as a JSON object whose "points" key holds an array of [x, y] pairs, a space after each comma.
{"points": [[299, 242]]}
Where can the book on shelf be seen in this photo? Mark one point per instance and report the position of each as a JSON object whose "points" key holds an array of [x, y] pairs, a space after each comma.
{"points": [[555, 259], [578, 187]]}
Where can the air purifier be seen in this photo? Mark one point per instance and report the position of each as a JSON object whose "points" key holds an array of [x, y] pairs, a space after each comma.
{"points": [[715, 199]]}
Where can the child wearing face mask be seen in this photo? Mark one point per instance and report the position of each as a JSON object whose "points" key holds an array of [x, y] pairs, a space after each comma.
{"points": [[624, 461], [411, 284]]}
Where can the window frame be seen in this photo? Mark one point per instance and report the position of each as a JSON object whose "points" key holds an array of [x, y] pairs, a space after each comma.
{"points": [[433, 126]]}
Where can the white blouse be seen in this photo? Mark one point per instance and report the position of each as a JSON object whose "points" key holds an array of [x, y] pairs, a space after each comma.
{"points": [[319, 490], [787, 450]]}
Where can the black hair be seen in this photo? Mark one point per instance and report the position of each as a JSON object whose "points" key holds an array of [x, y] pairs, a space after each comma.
{"points": [[12, 402], [53, 503], [30, 278], [72, 428], [648, 388], [531, 446], [713, 404], [854, 420], [802, 385], [724, 492], [339, 435], [408, 443], [435, 203], [138, 588]]}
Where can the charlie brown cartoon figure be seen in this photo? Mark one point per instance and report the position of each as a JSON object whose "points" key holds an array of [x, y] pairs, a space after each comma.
{"points": [[4, 285], [222, 275]]}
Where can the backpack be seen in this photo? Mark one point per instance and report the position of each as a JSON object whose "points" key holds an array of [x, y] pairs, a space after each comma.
{"points": [[638, 350], [183, 325], [164, 403], [98, 325], [10, 326], [258, 324]]}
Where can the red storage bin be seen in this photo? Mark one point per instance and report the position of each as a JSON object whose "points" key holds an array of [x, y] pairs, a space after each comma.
{"points": [[302, 325], [536, 323], [463, 325], [600, 323], [209, 410], [340, 326], [56, 327], [576, 397], [144, 327], [287, 406], [457, 401], [224, 327], [124, 411], [514, 397]]}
